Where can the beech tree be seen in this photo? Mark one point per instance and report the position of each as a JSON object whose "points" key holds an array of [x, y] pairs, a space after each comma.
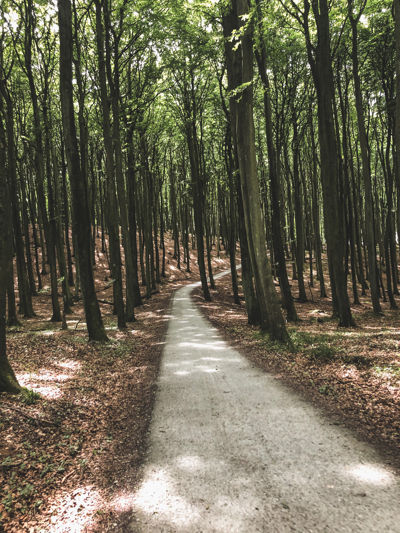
{"points": [[265, 130], [78, 183], [241, 67], [8, 381]]}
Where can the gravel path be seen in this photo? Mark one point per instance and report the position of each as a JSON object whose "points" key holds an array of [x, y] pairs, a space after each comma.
{"points": [[233, 450]]}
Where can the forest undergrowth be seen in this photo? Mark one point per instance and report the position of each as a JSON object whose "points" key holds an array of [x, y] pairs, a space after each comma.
{"points": [[72, 443]]}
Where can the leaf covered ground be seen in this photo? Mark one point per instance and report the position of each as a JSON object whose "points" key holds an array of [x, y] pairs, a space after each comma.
{"points": [[352, 374], [72, 444]]}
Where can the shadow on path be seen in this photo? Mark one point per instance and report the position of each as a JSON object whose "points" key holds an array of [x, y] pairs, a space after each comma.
{"points": [[233, 450]]}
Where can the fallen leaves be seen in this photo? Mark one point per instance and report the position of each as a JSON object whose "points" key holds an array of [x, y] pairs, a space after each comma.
{"points": [[65, 453]]}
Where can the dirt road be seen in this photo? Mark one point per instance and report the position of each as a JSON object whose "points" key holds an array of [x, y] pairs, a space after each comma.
{"points": [[232, 450]]}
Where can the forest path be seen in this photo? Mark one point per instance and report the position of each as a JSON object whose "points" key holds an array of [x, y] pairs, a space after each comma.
{"points": [[233, 450]]}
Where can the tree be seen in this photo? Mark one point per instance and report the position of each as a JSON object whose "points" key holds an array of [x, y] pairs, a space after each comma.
{"points": [[8, 381], [366, 168], [80, 208], [241, 70]]}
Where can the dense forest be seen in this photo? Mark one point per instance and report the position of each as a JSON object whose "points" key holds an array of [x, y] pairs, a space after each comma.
{"points": [[271, 124], [268, 130]]}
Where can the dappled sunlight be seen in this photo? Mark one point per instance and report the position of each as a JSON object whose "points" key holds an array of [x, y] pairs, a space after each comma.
{"points": [[47, 382], [190, 463], [245, 459], [73, 512], [157, 497], [70, 364], [213, 346], [203, 364], [49, 392], [45, 375], [165, 498], [207, 369], [371, 474], [349, 372], [48, 332]]}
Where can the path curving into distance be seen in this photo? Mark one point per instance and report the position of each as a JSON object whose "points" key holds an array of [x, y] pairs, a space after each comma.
{"points": [[233, 450]]}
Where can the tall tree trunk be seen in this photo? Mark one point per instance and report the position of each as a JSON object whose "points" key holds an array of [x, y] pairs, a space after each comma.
{"points": [[80, 208], [366, 168], [275, 188], [271, 318], [131, 186], [8, 381], [198, 202], [321, 67], [24, 288], [39, 162], [112, 209], [396, 5]]}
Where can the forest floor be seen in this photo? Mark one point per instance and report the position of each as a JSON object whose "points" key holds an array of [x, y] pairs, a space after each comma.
{"points": [[71, 444], [353, 374], [68, 449]]}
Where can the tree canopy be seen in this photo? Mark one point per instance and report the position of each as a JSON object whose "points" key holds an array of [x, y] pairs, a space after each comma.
{"points": [[268, 128]]}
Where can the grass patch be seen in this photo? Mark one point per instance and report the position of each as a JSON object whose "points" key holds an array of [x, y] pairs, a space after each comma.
{"points": [[316, 346], [304, 339], [392, 370], [269, 344], [29, 397], [326, 390], [322, 352]]}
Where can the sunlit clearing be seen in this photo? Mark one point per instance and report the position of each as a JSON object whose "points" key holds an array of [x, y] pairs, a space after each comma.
{"points": [[372, 474], [48, 332], [182, 373], [73, 512], [157, 496]]}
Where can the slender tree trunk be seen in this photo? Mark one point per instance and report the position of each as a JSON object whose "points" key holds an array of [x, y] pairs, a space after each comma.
{"points": [[271, 318], [366, 168], [198, 203], [8, 381], [275, 185], [80, 208], [39, 163], [321, 67], [112, 209], [24, 289], [131, 186]]}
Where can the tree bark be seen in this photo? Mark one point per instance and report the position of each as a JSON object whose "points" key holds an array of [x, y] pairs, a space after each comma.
{"points": [[8, 381], [275, 188], [321, 67], [366, 168], [271, 318], [80, 208]]}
